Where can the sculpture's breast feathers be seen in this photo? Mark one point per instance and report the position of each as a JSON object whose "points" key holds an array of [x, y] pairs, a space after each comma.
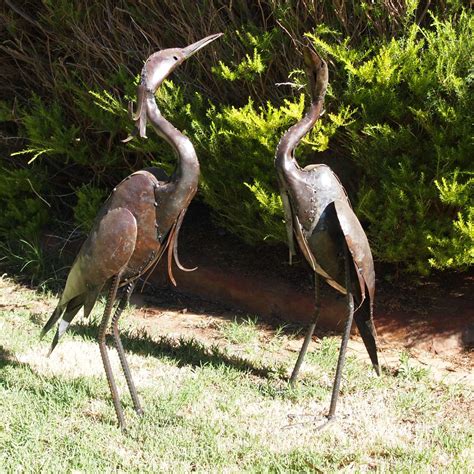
{"points": [[324, 181], [311, 190]]}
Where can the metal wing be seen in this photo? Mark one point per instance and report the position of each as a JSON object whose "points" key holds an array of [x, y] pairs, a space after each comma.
{"points": [[358, 246], [109, 246], [362, 257], [106, 251], [310, 257]]}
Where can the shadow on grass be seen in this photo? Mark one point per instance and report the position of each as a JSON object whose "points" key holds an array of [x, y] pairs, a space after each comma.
{"points": [[183, 351], [7, 358]]}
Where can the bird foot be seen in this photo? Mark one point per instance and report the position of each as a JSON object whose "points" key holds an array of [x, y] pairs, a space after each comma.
{"points": [[329, 420], [312, 421], [123, 429], [292, 382]]}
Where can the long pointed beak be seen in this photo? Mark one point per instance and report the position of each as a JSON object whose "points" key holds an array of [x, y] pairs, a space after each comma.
{"points": [[195, 47], [153, 74]]}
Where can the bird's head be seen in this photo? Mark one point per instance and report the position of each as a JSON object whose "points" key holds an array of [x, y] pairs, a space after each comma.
{"points": [[156, 69], [162, 63], [317, 71]]}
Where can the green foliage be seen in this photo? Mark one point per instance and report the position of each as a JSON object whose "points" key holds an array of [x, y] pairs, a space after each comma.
{"points": [[409, 371], [246, 69], [24, 211], [89, 200], [49, 133], [28, 257], [456, 249], [238, 175], [23, 217], [5, 112], [399, 113], [239, 146], [411, 140], [252, 65]]}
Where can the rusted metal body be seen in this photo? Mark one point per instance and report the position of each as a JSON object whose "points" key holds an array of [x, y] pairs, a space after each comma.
{"points": [[319, 215], [137, 224]]}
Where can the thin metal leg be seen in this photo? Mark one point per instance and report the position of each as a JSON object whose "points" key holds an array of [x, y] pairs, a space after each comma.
{"points": [[309, 334], [103, 350], [118, 344], [345, 336]]}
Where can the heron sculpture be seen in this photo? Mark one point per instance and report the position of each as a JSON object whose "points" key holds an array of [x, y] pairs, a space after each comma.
{"points": [[139, 221], [318, 213]]}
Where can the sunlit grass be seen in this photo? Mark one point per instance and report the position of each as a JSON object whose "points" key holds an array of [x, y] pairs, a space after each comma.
{"points": [[215, 408], [244, 331]]}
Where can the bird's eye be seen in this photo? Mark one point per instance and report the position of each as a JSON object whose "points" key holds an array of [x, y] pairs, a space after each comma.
{"points": [[175, 58]]}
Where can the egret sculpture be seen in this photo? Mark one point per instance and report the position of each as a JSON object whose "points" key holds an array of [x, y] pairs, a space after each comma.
{"points": [[318, 213], [139, 221]]}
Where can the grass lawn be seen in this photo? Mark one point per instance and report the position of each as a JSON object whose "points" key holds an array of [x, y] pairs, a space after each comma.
{"points": [[222, 406]]}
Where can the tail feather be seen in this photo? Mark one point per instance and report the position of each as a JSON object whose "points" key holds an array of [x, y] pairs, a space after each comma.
{"points": [[90, 300], [57, 313], [62, 327], [363, 319], [72, 308]]}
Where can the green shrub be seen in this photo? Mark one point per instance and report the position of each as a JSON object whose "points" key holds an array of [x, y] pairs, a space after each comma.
{"points": [[49, 133], [399, 112], [24, 210], [457, 249], [237, 148], [89, 201], [23, 217], [411, 140]]}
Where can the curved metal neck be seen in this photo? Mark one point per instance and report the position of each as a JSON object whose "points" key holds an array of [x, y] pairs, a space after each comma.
{"points": [[284, 158], [186, 174]]}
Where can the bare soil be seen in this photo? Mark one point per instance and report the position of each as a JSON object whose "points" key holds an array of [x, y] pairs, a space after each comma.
{"points": [[432, 319], [168, 313], [435, 314]]}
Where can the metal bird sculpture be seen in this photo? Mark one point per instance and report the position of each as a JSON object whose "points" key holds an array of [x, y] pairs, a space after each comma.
{"points": [[139, 221], [318, 213]]}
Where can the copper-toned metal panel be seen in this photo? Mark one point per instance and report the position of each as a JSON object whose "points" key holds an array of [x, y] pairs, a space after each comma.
{"points": [[138, 222], [328, 232]]}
